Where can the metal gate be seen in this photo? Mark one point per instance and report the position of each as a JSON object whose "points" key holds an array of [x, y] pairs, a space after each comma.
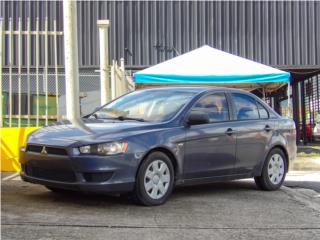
{"points": [[32, 79], [29, 90], [310, 109], [120, 82]]}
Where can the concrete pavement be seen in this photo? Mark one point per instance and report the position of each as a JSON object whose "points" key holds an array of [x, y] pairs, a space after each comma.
{"points": [[231, 210]]}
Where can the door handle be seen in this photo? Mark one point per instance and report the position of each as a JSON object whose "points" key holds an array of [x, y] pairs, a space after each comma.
{"points": [[229, 131], [267, 128]]}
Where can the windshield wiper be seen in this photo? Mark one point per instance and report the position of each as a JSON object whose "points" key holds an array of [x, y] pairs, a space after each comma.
{"points": [[123, 118]]}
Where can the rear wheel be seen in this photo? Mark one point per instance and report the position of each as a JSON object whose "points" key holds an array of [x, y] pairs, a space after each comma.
{"points": [[273, 172], [155, 180]]}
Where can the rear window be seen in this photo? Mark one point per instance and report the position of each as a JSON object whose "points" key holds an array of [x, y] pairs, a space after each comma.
{"points": [[215, 105], [262, 111], [246, 108]]}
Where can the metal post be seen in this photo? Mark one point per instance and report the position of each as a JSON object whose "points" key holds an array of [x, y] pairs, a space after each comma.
{"points": [[1, 77], [56, 66], [103, 26], [71, 58], [10, 70], [46, 69], [19, 69], [113, 80], [37, 72], [28, 68]]}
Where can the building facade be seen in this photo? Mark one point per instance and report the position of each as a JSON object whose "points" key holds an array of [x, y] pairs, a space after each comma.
{"points": [[282, 34]]}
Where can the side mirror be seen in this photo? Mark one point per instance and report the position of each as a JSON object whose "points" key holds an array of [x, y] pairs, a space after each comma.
{"points": [[196, 118]]}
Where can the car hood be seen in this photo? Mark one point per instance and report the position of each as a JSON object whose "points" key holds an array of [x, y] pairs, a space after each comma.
{"points": [[63, 134]]}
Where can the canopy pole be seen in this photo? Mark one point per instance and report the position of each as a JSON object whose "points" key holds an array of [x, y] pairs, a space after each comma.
{"points": [[264, 93], [289, 103]]}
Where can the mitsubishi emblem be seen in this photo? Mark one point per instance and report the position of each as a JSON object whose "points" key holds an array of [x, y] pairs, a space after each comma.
{"points": [[44, 151]]}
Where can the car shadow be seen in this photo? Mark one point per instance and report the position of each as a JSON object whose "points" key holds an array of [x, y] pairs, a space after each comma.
{"points": [[41, 195], [217, 188]]}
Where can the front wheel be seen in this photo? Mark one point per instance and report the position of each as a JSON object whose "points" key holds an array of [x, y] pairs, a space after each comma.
{"points": [[273, 172], [155, 180]]}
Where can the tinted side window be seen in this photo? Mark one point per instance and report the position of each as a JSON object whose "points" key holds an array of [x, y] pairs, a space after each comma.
{"points": [[215, 105], [246, 108], [262, 111]]}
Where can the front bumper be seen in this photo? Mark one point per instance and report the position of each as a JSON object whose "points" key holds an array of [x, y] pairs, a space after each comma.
{"points": [[80, 173], [82, 186]]}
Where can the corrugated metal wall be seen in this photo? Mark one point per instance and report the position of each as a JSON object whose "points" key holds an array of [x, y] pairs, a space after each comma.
{"points": [[145, 33]]}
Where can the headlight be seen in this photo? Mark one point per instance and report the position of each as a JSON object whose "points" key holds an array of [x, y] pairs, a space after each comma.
{"points": [[104, 148]]}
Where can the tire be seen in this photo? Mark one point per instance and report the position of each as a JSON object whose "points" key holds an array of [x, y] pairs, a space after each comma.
{"points": [[155, 180], [273, 171]]}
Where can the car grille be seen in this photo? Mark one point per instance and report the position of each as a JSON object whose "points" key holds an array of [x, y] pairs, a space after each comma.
{"points": [[49, 174], [49, 150]]}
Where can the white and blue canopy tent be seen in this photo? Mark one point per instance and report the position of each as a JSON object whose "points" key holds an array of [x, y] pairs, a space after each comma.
{"points": [[210, 66]]}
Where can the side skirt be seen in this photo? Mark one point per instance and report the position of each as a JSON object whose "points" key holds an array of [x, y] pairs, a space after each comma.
{"points": [[195, 181]]}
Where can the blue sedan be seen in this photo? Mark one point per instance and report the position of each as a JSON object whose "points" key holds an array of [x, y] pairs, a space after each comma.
{"points": [[148, 141]]}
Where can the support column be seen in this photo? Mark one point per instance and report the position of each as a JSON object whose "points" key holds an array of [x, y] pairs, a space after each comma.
{"points": [[103, 26], [303, 113], [295, 106], [71, 58]]}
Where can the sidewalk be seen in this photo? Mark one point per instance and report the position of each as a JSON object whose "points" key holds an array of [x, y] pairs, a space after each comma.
{"points": [[303, 179]]}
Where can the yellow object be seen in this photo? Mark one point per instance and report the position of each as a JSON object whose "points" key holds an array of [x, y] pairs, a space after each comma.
{"points": [[11, 139]]}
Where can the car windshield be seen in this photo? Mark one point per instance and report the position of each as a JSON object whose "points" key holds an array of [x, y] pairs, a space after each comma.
{"points": [[146, 105]]}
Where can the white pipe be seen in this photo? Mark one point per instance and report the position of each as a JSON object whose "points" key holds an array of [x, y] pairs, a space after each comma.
{"points": [[10, 70], [103, 26], [19, 70], [56, 67], [28, 68], [71, 58], [45, 74], [113, 80], [37, 72], [123, 77]]}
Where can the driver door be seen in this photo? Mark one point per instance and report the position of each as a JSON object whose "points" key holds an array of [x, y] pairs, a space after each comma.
{"points": [[210, 148]]}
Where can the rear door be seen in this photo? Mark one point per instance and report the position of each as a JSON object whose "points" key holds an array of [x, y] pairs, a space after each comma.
{"points": [[253, 131], [210, 148]]}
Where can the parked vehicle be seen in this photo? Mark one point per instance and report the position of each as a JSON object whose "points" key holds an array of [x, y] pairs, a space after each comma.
{"points": [[148, 141], [316, 132], [308, 131]]}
